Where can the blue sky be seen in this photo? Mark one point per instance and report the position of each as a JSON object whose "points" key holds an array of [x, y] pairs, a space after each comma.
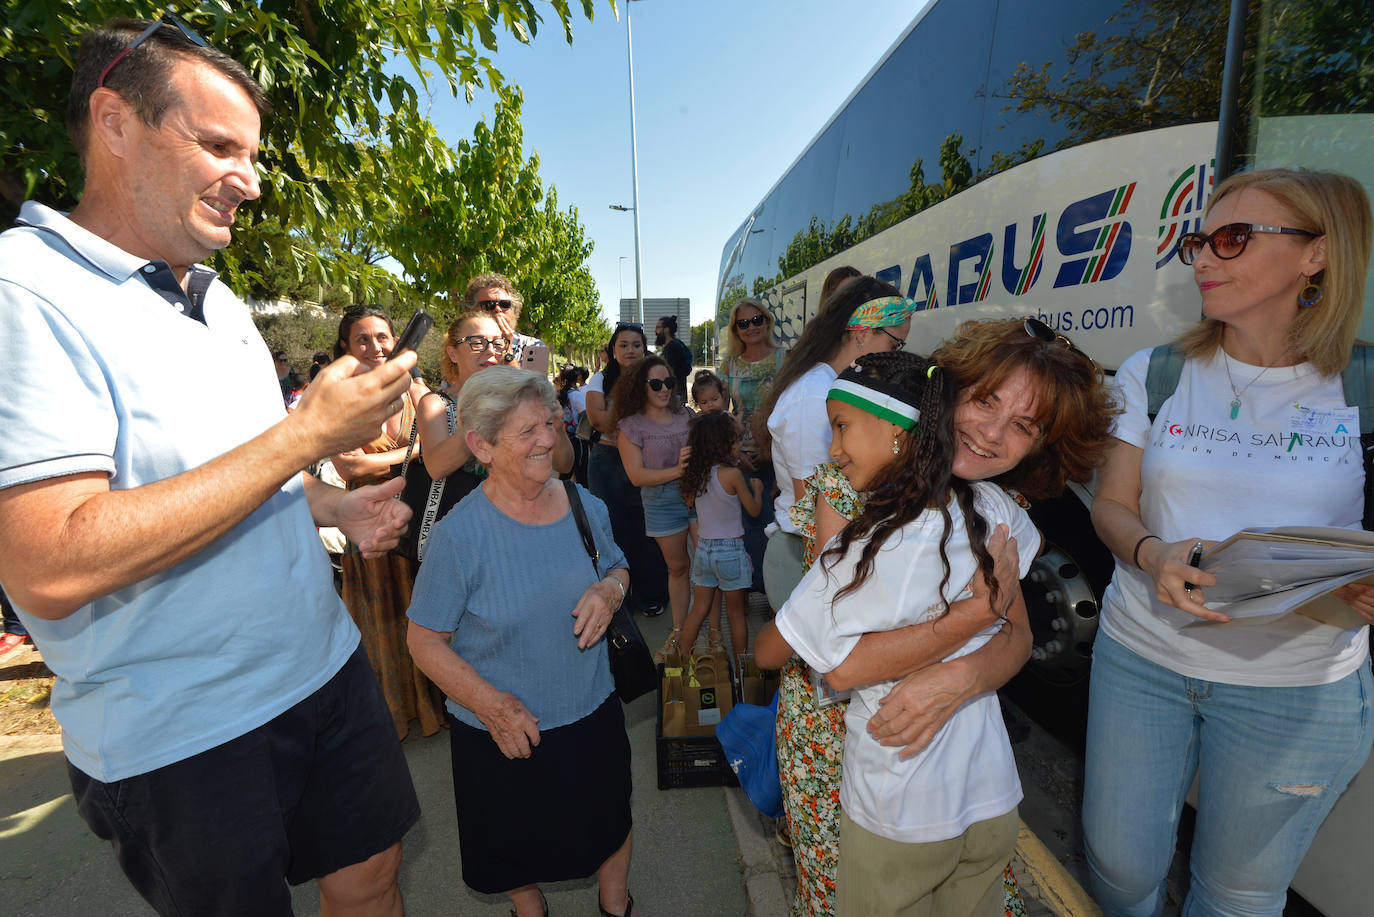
{"points": [[727, 94]]}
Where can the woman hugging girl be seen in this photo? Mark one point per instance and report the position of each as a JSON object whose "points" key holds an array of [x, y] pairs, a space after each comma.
{"points": [[944, 819]]}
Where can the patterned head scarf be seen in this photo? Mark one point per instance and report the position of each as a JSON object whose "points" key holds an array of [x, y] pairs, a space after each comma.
{"points": [[882, 313], [875, 397]]}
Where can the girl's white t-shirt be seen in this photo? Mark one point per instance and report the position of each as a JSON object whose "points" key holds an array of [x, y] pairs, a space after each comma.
{"points": [[1205, 475], [966, 774]]}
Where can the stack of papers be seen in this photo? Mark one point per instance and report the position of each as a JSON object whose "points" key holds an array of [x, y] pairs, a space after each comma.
{"points": [[1292, 568]]}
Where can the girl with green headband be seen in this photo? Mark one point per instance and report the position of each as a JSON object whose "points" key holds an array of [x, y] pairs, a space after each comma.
{"points": [[921, 536]]}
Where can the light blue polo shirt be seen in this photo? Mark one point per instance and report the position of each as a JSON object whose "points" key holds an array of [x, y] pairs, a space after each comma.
{"points": [[101, 373]]}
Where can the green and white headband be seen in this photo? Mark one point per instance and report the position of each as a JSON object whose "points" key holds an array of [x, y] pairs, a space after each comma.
{"points": [[874, 397]]}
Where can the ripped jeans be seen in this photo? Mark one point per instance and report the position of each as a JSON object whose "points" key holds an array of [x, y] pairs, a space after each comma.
{"points": [[1271, 763]]}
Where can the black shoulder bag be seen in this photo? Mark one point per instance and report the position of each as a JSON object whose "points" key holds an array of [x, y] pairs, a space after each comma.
{"points": [[632, 665]]}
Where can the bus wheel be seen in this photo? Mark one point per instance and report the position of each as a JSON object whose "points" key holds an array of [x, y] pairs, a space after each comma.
{"points": [[1063, 616]]}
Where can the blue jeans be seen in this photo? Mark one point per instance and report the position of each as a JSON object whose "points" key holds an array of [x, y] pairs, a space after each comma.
{"points": [[1271, 763], [12, 623]]}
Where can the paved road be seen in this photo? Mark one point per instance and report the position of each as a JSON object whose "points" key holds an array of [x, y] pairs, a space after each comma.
{"points": [[698, 852]]}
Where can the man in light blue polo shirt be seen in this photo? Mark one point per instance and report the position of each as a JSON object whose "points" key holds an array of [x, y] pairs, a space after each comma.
{"points": [[222, 727]]}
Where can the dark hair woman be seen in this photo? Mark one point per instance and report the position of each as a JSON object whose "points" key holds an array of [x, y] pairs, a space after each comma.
{"points": [[606, 476], [377, 590], [652, 440], [862, 316]]}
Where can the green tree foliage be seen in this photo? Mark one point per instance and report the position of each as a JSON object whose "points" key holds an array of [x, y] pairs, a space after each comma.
{"points": [[817, 242], [352, 171], [1159, 65]]}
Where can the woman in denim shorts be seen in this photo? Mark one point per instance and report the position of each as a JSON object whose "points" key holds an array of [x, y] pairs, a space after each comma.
{"points": [[652, 424]]}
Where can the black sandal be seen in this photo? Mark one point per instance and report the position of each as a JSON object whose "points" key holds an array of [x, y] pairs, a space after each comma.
{"points": [[629, 906]]}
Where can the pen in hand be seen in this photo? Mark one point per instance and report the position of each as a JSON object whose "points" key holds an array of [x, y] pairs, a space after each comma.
{"points": [[1194, 556]]}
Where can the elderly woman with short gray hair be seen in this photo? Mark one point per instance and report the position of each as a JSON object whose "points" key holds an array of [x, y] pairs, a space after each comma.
{"points": [[541, 761]]}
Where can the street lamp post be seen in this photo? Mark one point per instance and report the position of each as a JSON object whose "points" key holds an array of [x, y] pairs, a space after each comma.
{"points": [[634, 161]]}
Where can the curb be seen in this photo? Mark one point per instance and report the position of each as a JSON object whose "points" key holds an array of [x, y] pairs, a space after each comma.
{"points": [[1056, 889], [766, 888]]}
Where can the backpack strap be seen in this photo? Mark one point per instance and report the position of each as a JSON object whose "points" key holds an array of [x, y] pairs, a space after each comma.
{"points": [[1357, 381], [1161, 378]]}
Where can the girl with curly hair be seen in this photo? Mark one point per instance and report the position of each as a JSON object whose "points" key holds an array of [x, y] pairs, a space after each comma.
{"points": [[713, 483]]}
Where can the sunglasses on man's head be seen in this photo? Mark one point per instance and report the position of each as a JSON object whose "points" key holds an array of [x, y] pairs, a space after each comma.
{"points": [[1229, 241], [166, 19], [659, 385], [491, 305], [756, 321]]}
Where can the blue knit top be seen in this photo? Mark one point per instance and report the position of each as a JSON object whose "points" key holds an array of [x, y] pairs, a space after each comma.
{"points": [[506, 591]]}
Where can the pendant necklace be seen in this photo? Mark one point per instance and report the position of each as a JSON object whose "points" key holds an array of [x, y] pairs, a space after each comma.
{"points": [[1235, 403]]}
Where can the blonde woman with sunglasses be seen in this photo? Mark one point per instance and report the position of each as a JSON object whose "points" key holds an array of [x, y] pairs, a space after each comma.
{"points": [[1271, 714]]}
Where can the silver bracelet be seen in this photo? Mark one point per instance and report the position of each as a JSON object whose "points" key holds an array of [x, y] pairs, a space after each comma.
{"points": [[616, 580]]}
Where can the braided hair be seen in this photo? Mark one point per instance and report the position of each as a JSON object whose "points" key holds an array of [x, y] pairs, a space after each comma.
{"points": [[919, 477]]}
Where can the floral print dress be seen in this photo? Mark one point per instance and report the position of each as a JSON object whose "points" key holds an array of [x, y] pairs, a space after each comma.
{"points": [[811, 738]]}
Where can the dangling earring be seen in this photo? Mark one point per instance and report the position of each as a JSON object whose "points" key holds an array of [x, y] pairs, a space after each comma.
{"points": [[1309, 295], [896, 445]]}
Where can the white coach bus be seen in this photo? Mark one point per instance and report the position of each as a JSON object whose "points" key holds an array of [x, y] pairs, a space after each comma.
{"points": [[1041, 157]]}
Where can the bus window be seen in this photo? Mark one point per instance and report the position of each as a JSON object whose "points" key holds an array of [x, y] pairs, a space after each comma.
{"points": [[1312, 104]]}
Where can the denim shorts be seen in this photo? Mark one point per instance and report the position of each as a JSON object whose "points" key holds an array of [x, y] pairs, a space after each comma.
{"points": [[722, 563], [664, 512]]}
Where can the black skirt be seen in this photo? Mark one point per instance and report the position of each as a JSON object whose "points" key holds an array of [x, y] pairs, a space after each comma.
{"points": [[556, 815]]}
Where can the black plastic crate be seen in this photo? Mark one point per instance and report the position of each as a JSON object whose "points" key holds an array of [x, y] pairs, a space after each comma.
{"points": [[687, 761]]}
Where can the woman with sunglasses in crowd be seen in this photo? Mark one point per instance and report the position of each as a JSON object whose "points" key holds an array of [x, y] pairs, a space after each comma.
{"points": [[752, 358], [863, 315], [652, 438], [377, 590], [606, 477], [1272, 714]]}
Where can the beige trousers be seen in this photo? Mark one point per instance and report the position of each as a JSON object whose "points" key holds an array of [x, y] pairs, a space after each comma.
{"points": [[960, 877]]}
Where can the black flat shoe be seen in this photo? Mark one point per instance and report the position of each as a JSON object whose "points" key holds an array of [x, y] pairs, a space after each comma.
{"points": [[629, 906], [652, 609]]}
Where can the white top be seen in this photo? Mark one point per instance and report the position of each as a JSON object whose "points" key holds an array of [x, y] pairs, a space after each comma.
{"points": [[1204, 475], [578, 399], [801, 436], [594, 384], [966, 774], [102, 374]]}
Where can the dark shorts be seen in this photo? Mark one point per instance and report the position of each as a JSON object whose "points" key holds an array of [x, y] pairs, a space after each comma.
{"points": [[323, 786]]}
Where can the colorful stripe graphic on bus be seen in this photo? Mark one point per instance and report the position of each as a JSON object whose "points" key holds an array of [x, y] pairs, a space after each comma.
{"points": [[1018, 281], [1182, 209], [986, 278], [1107, 248]]}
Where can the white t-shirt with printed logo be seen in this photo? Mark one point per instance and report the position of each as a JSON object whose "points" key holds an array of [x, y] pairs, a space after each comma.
{"points": [[1204, 475]]}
